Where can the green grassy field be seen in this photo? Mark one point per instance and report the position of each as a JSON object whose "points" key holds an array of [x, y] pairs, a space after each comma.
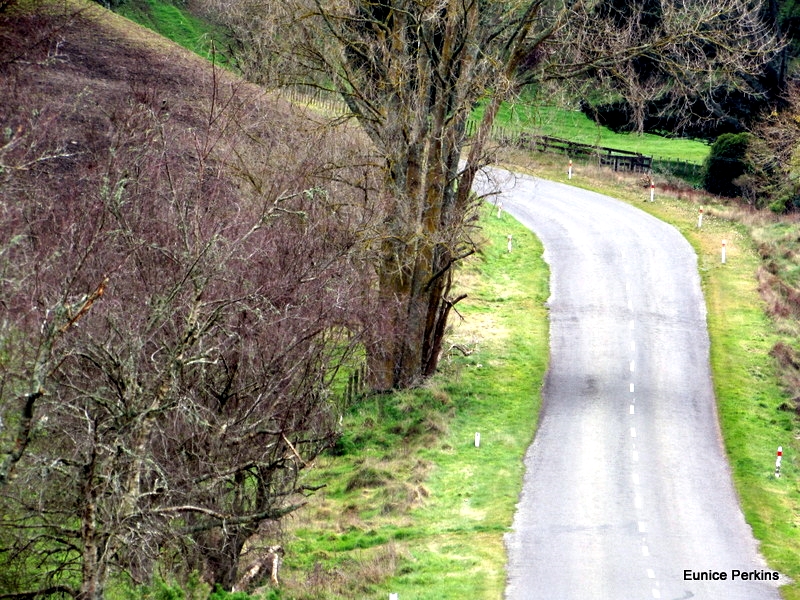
{"points": [[175, 23], [575, 126]]}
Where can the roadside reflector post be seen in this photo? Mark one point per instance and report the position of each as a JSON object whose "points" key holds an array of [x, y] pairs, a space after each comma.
{"points": [[510, 244], [652, 190], [499, 209], [569, 170], [477, 439], [724, 244], [778, 462], [700, 219], [394, 596]]}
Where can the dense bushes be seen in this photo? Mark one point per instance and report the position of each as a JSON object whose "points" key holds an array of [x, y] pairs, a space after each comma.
{"points": [[726, 164], [183, 260]]}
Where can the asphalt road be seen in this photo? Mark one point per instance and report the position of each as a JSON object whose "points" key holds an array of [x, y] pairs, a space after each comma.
{"points": [[627, 486]]}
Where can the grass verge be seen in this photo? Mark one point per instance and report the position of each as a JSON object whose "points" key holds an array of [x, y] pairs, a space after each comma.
{"points": [[412, 505], [746, 378]]}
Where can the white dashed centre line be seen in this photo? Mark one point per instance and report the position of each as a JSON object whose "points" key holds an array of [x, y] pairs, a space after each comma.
{"points": [[632, 411]]}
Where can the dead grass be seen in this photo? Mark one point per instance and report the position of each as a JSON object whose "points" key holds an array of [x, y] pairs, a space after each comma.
{"points": [[349, 579]]}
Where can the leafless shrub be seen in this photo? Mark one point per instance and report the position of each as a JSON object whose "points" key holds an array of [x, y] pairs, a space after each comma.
{"points": [[179, 283]]}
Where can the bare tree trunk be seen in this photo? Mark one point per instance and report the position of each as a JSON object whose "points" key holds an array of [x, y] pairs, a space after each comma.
{"points": [[92, 568]]}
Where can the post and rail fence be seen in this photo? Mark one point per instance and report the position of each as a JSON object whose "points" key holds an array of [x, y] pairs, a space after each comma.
{"points": [[614, 158]]}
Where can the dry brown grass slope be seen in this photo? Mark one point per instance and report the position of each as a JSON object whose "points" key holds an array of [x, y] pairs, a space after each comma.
{"points": [[70, 71]]}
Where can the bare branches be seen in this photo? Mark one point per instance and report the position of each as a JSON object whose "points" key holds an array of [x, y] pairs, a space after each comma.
{"points": [[175, 298], [42, 593], [411, 71]]}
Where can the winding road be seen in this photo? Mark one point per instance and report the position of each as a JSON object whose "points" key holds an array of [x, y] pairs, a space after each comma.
{"points": [[627, 493]]}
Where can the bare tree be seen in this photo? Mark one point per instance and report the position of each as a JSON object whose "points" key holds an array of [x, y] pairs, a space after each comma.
{"points": [[411, 72], [177, 292]]}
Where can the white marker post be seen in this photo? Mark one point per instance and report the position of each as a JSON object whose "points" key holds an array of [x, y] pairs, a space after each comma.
{"points": [[569, 170], [778, 462], [724, 244], [477, 439], [394, 596], [510, 244], [652, 190], [499, 209], [700, 219]]}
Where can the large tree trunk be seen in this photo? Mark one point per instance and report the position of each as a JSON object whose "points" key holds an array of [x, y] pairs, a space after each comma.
{"points": [[428, 236], [221, 553], [395, 359], [92, 564]]}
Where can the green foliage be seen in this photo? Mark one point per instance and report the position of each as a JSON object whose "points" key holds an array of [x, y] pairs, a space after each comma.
{"points": [[726, 162], [191, 589], [786, 200]]}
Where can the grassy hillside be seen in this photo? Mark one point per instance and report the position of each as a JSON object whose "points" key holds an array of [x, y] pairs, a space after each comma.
{"points": [[175, 22], [157, 215]]}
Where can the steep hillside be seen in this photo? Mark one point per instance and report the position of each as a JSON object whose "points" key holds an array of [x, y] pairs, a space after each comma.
{"points": [[67, 67]]}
